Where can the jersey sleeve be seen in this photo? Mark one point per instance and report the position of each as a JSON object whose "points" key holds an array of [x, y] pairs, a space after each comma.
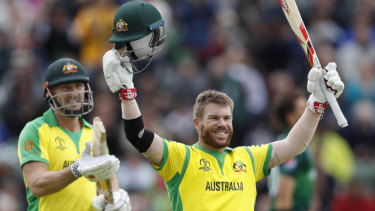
{"points": [[173, 161], [29, 148], [260, 156]]}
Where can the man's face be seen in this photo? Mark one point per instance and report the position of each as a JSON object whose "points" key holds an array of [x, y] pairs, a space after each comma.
{"points": [[70, 95], [215, 128]]}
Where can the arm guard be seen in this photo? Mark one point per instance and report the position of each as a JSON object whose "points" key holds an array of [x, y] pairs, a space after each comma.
{"points": [[137, 135]]}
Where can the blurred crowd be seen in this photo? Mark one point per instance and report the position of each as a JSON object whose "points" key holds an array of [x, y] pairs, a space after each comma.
{"points": [[242, 47]]}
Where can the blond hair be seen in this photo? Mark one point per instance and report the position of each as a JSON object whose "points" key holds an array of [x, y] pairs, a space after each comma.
{"points": [[211, 96]]}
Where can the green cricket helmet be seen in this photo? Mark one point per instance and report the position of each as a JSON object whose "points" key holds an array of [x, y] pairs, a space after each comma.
{"points": [[74, 103], [138, 31]]}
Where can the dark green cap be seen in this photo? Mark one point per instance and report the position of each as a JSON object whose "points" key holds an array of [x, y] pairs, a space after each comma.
{"points": [[63, 71], [135, 20]]}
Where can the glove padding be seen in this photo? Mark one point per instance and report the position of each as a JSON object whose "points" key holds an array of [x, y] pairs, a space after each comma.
{"points": [[116, 76], [95, 168], [121, 202], [318, 80]]}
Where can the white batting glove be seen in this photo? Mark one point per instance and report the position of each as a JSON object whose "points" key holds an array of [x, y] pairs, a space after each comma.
{"points": [[95, 168], [99, 202], [116, 76], [323, 79], [121, 202]]}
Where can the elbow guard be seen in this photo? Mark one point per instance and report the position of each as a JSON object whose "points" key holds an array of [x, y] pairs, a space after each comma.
{"points": [[137, 135]]}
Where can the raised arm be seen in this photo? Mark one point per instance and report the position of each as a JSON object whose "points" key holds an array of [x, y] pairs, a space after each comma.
{"points": [[301, 134], [120, 78]]}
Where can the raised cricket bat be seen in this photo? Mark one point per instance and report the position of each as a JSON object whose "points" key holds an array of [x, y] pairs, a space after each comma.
{"points": [[294, 18], [99, 147]]}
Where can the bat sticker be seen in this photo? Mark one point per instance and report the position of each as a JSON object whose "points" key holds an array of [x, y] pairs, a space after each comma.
{"points": [[284, 5]]}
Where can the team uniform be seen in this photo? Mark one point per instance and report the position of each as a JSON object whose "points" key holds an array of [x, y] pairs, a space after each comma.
{"points": [[44, 140], [201, 179], [302, 169]]}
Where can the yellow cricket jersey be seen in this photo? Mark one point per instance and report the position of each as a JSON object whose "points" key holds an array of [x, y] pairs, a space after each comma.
{"points": [[43, 140], [200, 179]]}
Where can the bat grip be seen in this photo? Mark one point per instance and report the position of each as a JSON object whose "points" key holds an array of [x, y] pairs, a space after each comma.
{"points": [[341, 120], [107, 189]]}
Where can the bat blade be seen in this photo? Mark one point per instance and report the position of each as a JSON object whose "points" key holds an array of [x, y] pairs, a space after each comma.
{"points": [[295, 21], [99, 147], [294, 18]]}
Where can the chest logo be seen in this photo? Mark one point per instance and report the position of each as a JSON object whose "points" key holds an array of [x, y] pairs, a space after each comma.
{"points": [[239, 166], [205, 165], [60, 142]]}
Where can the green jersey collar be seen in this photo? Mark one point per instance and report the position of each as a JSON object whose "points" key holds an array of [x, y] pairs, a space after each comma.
{"points": [[212, 152], [50, 119]]}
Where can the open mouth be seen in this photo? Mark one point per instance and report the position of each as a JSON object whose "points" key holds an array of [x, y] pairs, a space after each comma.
{"points": [[220, 133]]}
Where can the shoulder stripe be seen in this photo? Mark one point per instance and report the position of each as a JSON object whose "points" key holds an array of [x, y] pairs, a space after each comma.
{"points": [[174, 184], [251, 158], [267, 172], [165, 155], [187, 159]]}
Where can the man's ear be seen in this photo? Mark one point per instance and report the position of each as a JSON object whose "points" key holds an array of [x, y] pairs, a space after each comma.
{"points": [[196, 123]]}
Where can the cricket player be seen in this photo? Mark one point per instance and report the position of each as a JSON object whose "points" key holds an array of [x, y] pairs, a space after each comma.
{"points": [[55, 149], [207, 175], [291, 184]]}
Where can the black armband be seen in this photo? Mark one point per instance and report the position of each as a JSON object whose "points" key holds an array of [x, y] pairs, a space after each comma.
{"points": [[137, 135]]}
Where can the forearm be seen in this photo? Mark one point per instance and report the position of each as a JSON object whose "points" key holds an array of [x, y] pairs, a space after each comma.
{"points": [[284, 198], [130, 109], [149, 144], [297, 140], [43, 183]]}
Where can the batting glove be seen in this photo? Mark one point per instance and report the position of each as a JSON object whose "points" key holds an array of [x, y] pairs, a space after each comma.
{"points": [[95, 168], [323, 79], [121, 202], [116, 76]]}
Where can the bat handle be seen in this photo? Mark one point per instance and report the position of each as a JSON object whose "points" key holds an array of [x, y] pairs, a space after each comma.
{"points": [[107, 189], [341, 120]]}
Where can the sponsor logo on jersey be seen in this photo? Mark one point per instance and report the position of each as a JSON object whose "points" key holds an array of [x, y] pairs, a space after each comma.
{"points": [[60, 143], [239, 166], [205, 165], [67, 163], [70, 68], [121, 26], [224, 186]]}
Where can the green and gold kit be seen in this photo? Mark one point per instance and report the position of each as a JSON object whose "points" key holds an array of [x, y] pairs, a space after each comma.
{"points": [[200, 179], [43, 140]]}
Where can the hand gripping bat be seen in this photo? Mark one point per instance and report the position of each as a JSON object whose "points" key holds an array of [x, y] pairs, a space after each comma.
{"points": [[99, 147], [294, 18]]}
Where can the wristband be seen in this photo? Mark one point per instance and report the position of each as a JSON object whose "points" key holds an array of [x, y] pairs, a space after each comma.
{"points": [[128, 94], [317, 107], [74, 168]]}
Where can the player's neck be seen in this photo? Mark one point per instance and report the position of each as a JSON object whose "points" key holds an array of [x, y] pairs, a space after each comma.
{"points": [[71, 124], [209, 147]]}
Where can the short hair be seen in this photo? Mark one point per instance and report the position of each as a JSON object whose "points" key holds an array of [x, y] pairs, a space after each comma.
{"points": [[211, 96]]}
